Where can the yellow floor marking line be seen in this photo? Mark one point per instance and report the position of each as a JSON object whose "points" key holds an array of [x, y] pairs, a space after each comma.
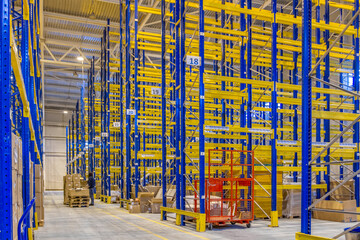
{"points": [[162, 224], [132, 224]]}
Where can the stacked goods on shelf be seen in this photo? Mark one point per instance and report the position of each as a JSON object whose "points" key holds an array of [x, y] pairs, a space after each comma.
{"points": [[115, 194], [343, 193], [263, 198], [67, 186], [98, 190], [79, 197], [76, 180], [134, 206], [76, 192], [346, 206], [145, 199], [39, 194], [291, 203], [17, 171]]}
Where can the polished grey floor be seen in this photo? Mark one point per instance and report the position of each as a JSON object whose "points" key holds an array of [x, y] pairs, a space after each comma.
{"points": [[107, 222]]}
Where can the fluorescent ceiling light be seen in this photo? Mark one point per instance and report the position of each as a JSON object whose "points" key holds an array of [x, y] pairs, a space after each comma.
{"points": [[65, 112], [80, 58]]}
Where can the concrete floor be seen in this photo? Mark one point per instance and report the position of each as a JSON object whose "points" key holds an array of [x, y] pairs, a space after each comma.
{"points": [[107, 222]]}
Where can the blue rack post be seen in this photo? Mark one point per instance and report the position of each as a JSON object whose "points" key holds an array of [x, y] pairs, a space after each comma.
{"points": [[82, 131], [357, 106], [177, 105], [274, 106], [182, 107], [163, 104], [201, 107], [6, 221], [318, 84], [127, 100], [136, 100], [122, 176], [67, 150], [306, 147]]}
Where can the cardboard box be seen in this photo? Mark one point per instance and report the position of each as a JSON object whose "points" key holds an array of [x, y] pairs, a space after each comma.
{"points": [[40, 213], [20, 166], [83, 183], [38, 171], [20, 189], [145, 201], [14, 187], [31, 180], [134, 208], [76, 178], [15, 151], [20, 161], [349, 206], [292, 203], [76, 185], [156, 203], [79, 193], [38, 185], [67, 179], [15, 221], [39, 200]]}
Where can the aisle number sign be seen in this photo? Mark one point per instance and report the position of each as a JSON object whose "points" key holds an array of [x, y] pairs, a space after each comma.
{"points": [[193, 60], [116, 124], [131, 112], [156, 91]]}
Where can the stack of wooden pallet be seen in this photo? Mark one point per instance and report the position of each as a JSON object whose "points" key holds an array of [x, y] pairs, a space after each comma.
{"points": [[79, 198]]}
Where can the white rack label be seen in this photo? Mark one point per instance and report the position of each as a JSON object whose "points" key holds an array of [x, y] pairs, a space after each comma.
{"points": [[104, 134], [97, 138], [193, 60], [147, 155], [91, 145], [116, 124], [131, 112], [156, 91]]}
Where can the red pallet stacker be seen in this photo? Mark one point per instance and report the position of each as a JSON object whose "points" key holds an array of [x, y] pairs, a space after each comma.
{"points": [[229, 188]]}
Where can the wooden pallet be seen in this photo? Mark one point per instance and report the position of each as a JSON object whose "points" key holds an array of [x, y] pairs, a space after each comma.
{"points": [[79, 199], [74, 199], [79, 205]]}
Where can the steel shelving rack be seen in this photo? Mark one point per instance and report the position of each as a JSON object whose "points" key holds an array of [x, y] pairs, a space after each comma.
{"points": [[245, 93], [21, 102]]}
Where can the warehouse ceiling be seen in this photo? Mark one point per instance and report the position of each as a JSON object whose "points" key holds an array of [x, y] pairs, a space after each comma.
{"points": [[72, 29]]}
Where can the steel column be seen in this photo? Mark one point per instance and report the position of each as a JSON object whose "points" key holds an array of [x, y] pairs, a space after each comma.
{"points": [[306, 147]]}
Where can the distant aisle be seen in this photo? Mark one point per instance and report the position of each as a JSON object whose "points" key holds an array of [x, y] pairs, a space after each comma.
{"points": [[109, 222]]}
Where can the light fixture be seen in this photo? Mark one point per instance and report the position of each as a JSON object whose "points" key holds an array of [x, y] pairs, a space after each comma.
{"points": [[65, 112], [80, 58]]}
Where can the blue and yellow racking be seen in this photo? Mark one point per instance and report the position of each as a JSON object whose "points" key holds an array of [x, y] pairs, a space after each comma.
{"points": [[21, 104], [254, 80]]}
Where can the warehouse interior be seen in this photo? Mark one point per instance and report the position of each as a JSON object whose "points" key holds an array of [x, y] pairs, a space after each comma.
{"points": [[204, 119]]}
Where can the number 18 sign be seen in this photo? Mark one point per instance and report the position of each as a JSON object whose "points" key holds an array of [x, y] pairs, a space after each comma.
{"points": [[193, 60]]}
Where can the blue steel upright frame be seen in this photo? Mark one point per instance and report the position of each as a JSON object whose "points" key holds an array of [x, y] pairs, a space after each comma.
{"points": [[127, 100], [105, 113], [306, 147], [6, 221], [356, 86], [163, 104], [274, 119]]}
